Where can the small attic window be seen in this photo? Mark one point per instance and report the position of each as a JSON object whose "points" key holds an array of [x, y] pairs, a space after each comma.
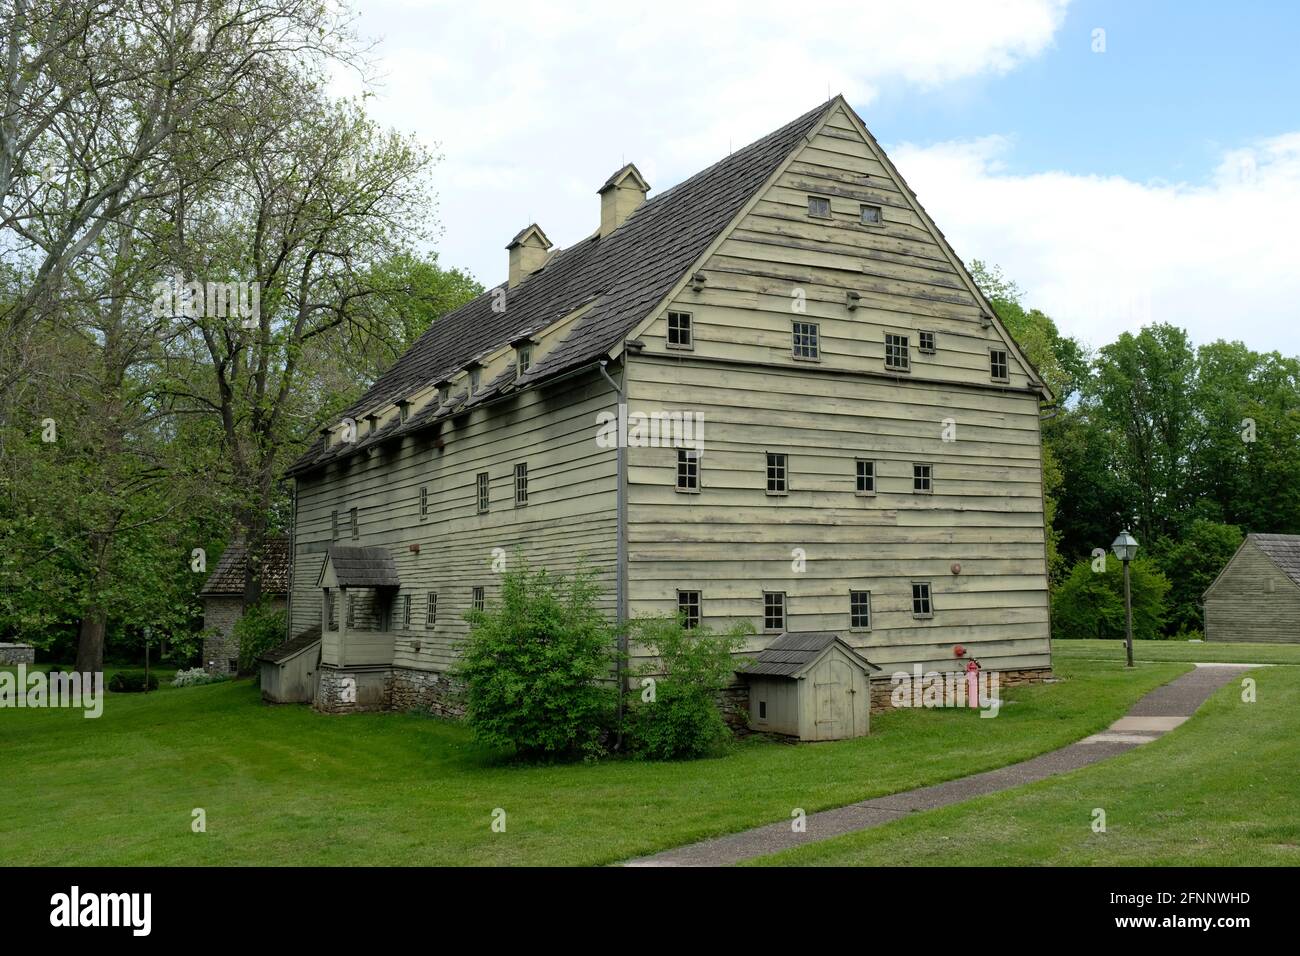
{"points": [[871, 215], [998, 365], [403, 410], [444, 394], [475, 379], [524, 354], [819, 207]]}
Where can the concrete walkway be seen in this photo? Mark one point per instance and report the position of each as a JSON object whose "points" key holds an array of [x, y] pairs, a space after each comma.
{"points": [[1151, 717]]}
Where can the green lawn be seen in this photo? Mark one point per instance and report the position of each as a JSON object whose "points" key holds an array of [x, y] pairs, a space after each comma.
{"points": [[284, 785], [1216, 652], [1221, 790]]}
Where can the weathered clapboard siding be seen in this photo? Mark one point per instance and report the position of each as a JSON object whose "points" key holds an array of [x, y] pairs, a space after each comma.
{"points": [[1253, 600], [732, 541], [570, 516]]}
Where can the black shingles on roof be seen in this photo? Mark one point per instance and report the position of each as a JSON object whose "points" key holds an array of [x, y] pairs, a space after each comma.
{"points": [[793, 651], [363, 567], [1283, 550], [622, 276], [228, 576], [295, 645]]}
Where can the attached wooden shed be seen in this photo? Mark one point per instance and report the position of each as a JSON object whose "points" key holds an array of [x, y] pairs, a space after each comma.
{"points": [[290, 671], [1256, 596], [811, 685]]}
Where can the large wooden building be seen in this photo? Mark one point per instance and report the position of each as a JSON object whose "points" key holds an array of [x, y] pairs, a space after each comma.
{"points": [[771, 393], [1256, 596]]}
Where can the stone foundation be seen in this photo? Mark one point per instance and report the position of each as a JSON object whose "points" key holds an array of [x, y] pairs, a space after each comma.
{"points": [[733, 702], [883, 687], [17, 654], [350, 690], [427, 691]]}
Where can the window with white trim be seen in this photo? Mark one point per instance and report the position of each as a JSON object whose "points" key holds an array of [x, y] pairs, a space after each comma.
{"points": [[922, 606], [521, 484], [922, 477], [688, 608], [688, 470], [777, 474], [998, 366], [680, 331], [865, 477], [481, 486], [896, 357], [860, 610], [774, 610], [804, 344]]}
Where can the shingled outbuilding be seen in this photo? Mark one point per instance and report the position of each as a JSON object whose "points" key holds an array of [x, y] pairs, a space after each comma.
{"points": [[813, 686], [223, 598], [1256, 596]]}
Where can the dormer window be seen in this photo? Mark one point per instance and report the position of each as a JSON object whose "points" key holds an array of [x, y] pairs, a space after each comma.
{"points": [[819, 207], [444, 393], [475, 380], [524, 354], [403, 410]]}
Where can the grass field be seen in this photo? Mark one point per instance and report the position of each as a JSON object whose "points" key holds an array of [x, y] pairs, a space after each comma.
{"points": [[1178, 651], [1221, 790], [284, 785]]}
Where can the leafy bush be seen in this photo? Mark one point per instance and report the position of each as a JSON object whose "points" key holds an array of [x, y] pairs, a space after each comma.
{"points": [[1091, 603], [127, 683], [536, 666], [260, 629], [677, 716], [194, 677]]}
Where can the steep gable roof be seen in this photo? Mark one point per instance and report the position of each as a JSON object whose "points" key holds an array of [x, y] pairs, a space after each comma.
{"points": [[1282, 549], [619, 278], [228, 576]]}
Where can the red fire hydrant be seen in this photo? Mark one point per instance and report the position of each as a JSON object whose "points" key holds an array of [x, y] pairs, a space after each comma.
{"points": [[972, 683]]}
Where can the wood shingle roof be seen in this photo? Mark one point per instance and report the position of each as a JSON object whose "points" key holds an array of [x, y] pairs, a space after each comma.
{"points": [[620, 277], [228, 576], [1283, 550]]}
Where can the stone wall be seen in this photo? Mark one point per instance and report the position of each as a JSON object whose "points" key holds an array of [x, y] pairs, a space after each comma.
{"points": [[351, 690], [220, 646], [17, 654], [428, 691], [883, 687]]}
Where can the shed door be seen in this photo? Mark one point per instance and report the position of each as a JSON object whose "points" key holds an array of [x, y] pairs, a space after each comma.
{"points": [[833, 700]]}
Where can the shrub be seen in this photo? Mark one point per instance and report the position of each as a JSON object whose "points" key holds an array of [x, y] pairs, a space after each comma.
{"points": [[260, 629], [127, 683], [536, 666], [1091, 604], [194, 677], [677, 716]]}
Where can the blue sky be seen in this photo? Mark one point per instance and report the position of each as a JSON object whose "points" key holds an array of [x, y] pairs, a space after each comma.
{"points": [[1157, 181], [1177, 84]]}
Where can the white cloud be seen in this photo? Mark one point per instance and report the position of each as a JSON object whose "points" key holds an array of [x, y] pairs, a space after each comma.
{"points": [[534, 105], [1103, 255]]}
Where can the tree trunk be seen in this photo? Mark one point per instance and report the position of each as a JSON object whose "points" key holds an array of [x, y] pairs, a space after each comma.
{"points": [[90, 645]]}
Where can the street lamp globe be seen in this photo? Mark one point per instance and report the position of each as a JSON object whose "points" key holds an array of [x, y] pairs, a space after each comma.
{"points": [[1125, 546]]}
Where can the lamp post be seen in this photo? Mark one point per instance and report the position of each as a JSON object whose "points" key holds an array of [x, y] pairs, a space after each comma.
{"points": [[1126, 549]]}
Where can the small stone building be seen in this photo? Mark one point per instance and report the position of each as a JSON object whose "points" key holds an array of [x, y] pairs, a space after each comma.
{"points": [[1256, 596], [223, 598], [812, 686]]}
